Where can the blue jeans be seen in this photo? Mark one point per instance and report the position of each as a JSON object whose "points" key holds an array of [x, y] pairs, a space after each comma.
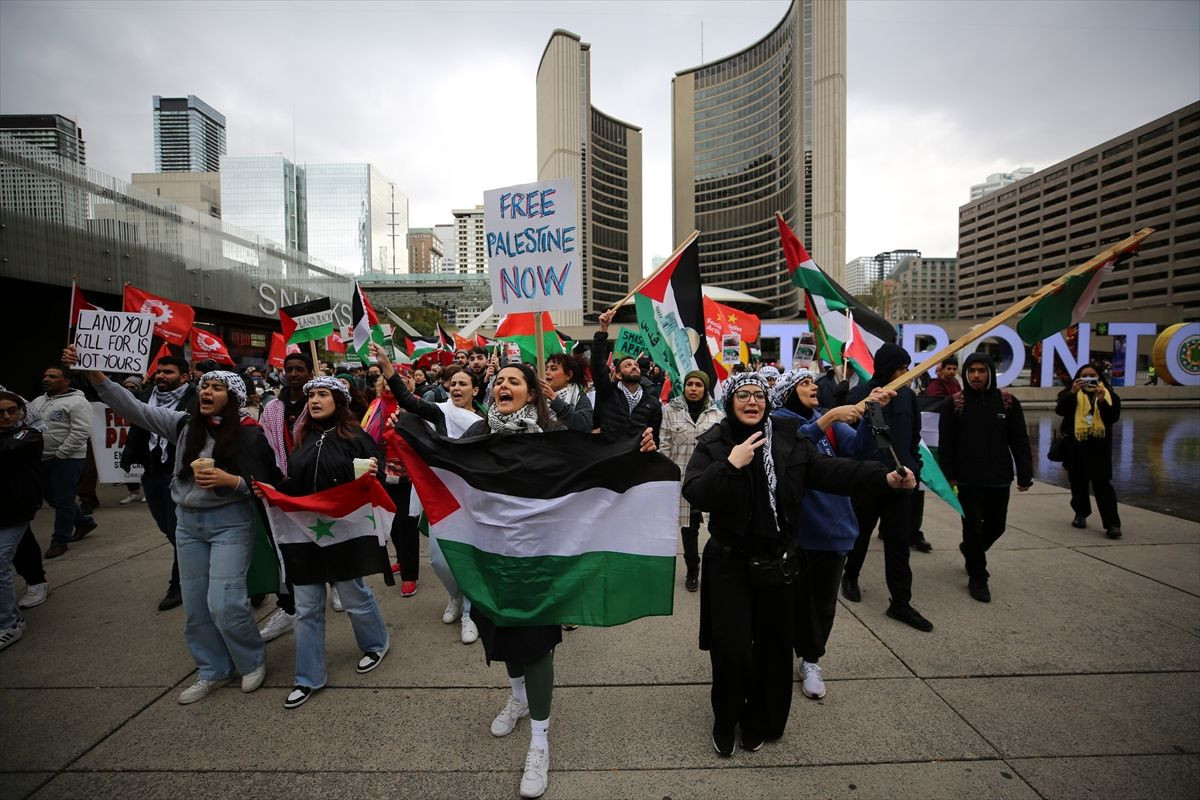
{"points": [[214, 547], [369, 630], [162, 508], [60, 477], [10, 536]]}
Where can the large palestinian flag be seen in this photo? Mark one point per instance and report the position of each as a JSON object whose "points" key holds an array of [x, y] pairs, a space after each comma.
{"points": [[670, 314], [334, 535], [846, 330], [549, 529]]}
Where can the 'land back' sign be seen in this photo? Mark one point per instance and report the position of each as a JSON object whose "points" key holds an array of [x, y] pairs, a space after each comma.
{"points": [[533, 247], [113, 341]]}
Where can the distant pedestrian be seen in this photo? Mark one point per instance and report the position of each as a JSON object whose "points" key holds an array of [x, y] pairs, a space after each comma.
{"points": [[981, 435], [946, 383], [1089, 408]]}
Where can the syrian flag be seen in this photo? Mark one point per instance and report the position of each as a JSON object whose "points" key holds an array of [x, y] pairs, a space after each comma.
{"points": [[309, 321], [209, 345], [826, 304], [172, 320], [334, 535], [365, 326], [79, 303], [518, 327], [549, 529], [670, 313]]}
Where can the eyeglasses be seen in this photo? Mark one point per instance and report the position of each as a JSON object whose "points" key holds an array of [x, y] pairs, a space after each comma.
{"points": [[745, 395], [10, 411]]}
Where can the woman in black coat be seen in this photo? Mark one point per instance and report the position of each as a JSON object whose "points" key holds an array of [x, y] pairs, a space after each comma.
{"points": [[753, 494], [1089, 408], [20, 497]]}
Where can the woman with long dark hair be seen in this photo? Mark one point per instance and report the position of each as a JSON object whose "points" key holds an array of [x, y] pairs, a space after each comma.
{"points": [[565, 385], [20, 498], [1089, 408], [218, 453], [327, 444]]}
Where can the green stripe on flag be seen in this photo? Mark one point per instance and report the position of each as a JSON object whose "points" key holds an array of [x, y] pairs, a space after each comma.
{"points": [[597, 589], [935, 480], [263, 575]]}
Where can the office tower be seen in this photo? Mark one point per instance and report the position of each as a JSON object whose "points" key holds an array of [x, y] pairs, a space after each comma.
{"points": [[51, 140]]}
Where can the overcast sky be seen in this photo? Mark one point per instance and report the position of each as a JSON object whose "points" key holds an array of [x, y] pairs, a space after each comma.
{"points": [[441, 96]]}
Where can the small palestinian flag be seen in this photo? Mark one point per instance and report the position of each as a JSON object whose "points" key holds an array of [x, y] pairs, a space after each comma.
{"points": [[309, 321], [364, 326], [497, 504], [519, 328], [334, 535], [419, 347]]}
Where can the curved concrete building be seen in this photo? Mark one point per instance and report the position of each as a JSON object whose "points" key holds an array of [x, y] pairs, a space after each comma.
{"points": [[760, 131], [604, 157]]}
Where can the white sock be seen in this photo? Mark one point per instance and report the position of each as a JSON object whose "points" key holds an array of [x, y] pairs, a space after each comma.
{"points": [[518, 690], [539, 730]]}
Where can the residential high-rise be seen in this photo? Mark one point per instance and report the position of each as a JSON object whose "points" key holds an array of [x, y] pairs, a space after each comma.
{"points": [[470, 242], [1015, 240], [424, 251], [920, 289], [998, 180], [603, 156], [760, 131], [51, 140], [189, 135]]}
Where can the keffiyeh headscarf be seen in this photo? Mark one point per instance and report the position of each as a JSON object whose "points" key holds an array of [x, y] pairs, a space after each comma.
{"points": [[523, 420], [326, 382], [769, 372], [787, 384], [741, 381], [233, 383]]}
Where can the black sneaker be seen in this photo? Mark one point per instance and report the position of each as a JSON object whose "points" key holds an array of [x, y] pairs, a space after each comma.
{"points": [[692, 581], [1080, 521], [370, 659], [172, 599], [82, 530], [909, 616], [978, 589], [751, 742], [299, 695], [1113, 532], [723, 742], [922, 545], [850, 589]]}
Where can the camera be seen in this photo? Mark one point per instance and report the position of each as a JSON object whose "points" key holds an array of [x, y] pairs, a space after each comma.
{"points": [[1089, 383]]}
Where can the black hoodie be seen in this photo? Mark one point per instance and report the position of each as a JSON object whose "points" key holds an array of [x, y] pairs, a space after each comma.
{"points": [[901, 414], [982, 433]]}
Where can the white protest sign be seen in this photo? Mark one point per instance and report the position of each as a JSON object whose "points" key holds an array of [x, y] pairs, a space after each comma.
{"points": [[731, 349], [109, 431], [113, 341], [533, 247]]}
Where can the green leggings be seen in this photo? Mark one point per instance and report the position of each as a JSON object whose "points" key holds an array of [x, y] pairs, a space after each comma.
{"points": [[539, 683]]}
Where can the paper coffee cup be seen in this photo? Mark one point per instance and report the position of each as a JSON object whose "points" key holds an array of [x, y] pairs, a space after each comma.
{"points": [[361, 467], [203, 464]]}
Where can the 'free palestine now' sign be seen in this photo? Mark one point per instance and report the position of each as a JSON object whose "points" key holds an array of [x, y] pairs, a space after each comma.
{"points": [[533, 247]]}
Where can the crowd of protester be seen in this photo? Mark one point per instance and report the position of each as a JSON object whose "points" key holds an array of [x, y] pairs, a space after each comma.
{"points": [[790, 469]]}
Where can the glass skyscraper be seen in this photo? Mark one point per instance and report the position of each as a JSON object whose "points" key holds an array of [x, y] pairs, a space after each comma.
{"points": [[189, 135], [264, 195]]}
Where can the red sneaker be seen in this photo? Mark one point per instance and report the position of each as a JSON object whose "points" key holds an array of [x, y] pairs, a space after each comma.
{"points": [[408, 588], [395, 568]]}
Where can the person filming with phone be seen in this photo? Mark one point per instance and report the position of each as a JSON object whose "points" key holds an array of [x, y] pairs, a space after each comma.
{"points": [[1089, 408]]}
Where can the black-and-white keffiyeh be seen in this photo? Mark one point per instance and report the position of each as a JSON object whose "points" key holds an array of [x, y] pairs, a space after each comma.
{"points": [[524, 420], [787, 383], [233, 383], [569, 394], [633, 398], [741, 381], [326, 382], [161, 399]]}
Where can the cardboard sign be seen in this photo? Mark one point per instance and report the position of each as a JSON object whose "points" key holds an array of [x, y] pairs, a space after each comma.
{"points": [[109, 431], [533, 247], [806, 351], [512, 353], [113, 341], [731, 349], [630, 343]]}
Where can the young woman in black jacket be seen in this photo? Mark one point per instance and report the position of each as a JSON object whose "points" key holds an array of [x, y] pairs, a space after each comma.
{"points": [[327, 444], [20, 498], [1089, 408], [750, 473]]}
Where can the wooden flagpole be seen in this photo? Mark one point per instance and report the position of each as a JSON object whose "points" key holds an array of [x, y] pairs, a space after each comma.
{"points": [[846, 347], [978, 332], [71, 310], [670, 259], [539, 345]]}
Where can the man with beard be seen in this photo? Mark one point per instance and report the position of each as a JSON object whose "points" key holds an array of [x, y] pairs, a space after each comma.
{"points": [[157, 456], [281, 421], [981, 434], [624, 408]]}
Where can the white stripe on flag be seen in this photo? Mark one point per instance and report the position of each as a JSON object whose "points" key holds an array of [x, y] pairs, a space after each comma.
{"points": [[303, 527]]}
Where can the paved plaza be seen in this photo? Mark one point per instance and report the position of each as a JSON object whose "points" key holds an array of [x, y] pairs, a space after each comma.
{"points": [[1080, 679]]}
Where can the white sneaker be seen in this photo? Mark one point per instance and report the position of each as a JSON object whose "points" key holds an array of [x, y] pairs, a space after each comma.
{"points": [[11, 635], [132, 497], [537, 772], [810, 680], [277, 625], [469, 633], [254, 679], [506, 720], [453, 610], [35, 595], [199, 690], [337, 600]]}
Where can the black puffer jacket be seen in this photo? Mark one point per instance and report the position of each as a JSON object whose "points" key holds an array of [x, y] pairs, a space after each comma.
{"points": [[612, 414], [325, 459], [902, 415], [20, 461], [982, 433]]}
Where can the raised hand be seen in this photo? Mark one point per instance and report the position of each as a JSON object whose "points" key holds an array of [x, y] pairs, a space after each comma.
{"points": [[742, 454]]}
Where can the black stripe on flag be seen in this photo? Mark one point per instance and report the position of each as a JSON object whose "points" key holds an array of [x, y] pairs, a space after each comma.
{"points": [[538, 466], [685, 282], [307, 307], [358, 556]]}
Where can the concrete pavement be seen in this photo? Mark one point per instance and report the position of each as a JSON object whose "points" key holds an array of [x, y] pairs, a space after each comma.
{"points": [[1080, 679]]}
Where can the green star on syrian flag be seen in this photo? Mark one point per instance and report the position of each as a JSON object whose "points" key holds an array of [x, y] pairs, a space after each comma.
{"points": [[323, 528]]}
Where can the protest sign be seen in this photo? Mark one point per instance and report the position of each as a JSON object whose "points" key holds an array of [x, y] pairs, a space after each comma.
{"points": [[533, 253], [731, 349], [109, 431], [113, 341], [630, 343]]}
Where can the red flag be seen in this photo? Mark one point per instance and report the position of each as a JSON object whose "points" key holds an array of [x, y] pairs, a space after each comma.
{"points": [[209, 345], [277, 352], [79, 303], [745, 326], [162, 352], [793, 251], [173, 320], [334, 343]]}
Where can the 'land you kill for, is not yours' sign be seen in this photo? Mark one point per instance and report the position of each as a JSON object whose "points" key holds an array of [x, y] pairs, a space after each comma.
{"points": [[113, 341], [533, 247]]}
